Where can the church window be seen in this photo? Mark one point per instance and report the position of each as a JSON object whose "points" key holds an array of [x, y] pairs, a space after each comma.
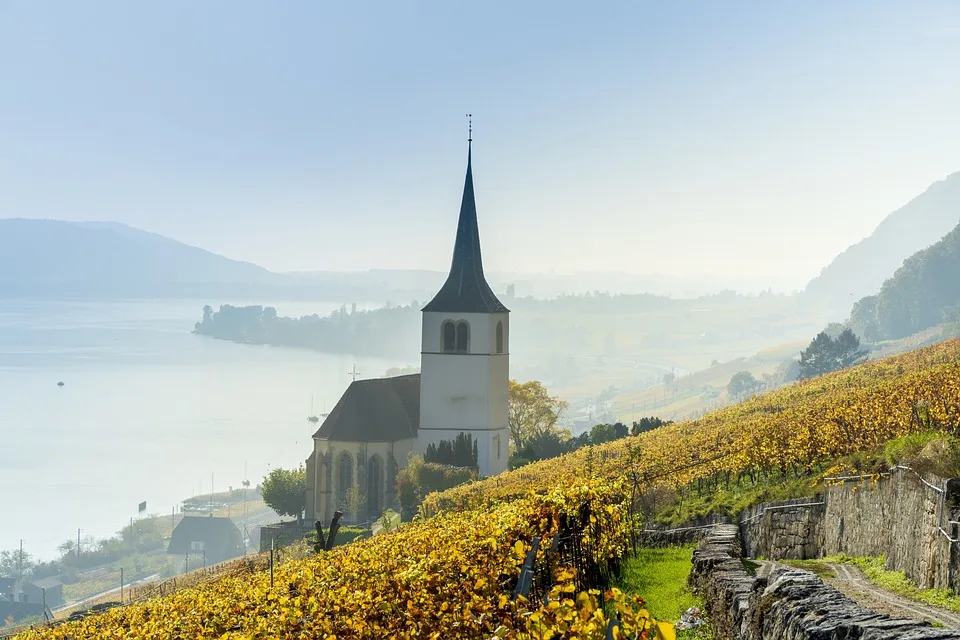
{"points": [[463, 337], [449, 337], [374, 487], [500, 337], [345, 477]]}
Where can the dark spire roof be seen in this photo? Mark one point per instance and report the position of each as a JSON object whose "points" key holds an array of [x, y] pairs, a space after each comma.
{"points": [[466, 290]]}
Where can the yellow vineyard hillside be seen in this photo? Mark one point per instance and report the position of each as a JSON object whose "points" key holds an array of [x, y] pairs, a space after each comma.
{"points": [[795, 428], [448, 577]]}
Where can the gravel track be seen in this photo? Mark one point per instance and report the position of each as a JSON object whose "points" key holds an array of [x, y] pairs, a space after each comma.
{"points": [[856, 586]]}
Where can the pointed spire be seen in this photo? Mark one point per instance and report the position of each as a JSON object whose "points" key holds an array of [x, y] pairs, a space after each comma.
{"points": [[466, 290]]}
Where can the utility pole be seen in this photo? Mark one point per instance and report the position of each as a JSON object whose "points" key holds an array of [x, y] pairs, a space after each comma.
{"points": [[20, 564], [78, 549], [131, 542]]}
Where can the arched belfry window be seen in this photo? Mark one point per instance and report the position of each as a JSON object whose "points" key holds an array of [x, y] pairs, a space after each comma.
{"points": [[463, 337], [500, 337], [345, 477], [449, 337]]}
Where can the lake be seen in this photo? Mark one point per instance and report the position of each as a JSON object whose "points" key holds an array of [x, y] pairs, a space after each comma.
{"points": [[148, 411]]}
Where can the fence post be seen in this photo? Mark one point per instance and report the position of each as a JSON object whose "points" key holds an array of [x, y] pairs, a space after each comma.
{"points": [[121, 585], [271, 562]]}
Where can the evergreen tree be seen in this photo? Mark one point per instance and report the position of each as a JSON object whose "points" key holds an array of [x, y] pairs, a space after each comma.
{"points": [[826, 354]]}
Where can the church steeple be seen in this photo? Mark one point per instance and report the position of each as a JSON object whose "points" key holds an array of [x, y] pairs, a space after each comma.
{"points": [[466, 289]]}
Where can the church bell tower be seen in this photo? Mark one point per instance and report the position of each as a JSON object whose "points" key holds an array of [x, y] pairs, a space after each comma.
{"points": [[465, 361]]}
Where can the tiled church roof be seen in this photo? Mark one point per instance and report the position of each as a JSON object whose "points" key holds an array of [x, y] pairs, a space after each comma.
{"points": [[375, 410]]}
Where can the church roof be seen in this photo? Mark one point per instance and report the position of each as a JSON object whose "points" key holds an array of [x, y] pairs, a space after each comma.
{"points": [[375, 410], [466, 290]]}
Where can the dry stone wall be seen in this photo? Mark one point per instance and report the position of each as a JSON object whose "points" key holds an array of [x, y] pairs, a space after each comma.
{"points": [[900, 516], [914, 521], [788, 604], [783, 529]]}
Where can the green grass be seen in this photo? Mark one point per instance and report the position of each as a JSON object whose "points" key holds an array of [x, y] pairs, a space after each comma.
{"points": [[898, 583], [732, 499], [816, 566], [659, 576]]}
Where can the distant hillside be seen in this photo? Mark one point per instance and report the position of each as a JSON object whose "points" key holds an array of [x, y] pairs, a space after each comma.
{"points": [[52, 257], [861, 269], [922, 293]]}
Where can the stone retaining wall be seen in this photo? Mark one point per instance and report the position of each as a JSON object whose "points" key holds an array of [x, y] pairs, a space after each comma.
{"points": [[899, 516], [788, 604], [693, 531], [783, 529]]}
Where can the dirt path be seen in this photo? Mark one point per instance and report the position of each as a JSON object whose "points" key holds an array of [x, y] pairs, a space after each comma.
{"points": [[856, 586]]}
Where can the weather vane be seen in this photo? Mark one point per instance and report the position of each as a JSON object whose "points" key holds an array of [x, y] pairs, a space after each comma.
{"points": [[469, 117]]}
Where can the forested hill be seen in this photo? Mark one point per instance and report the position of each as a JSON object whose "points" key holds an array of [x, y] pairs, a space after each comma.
{"points": [[924, 292], [861, 269], [687, 333], [389, 332]]}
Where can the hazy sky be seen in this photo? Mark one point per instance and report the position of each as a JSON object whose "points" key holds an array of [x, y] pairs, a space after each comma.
{"points": [[728, 138]]}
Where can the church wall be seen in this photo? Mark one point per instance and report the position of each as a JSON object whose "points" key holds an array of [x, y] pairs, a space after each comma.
{"points": [[327, 490]]}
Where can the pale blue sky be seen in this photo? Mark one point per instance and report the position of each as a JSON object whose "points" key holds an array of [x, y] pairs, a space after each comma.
{"points": [[728, 138]]}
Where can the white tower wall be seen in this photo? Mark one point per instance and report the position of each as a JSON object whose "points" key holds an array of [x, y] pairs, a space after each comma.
{"points": [[466, 392]]}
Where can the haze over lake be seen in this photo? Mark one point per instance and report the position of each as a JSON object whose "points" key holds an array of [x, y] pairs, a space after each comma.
{"points": [[147, 412]]}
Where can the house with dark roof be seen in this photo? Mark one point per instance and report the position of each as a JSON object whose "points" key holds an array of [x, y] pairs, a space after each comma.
{"points": [[206, 538], [49, 590], [462, 387]]}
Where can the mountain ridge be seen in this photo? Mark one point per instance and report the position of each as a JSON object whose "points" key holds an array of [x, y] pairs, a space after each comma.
{"points": [[861, 269]]}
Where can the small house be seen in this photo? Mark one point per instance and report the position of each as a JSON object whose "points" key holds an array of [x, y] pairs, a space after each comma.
{"points": [[213, 539], [49, 590]]}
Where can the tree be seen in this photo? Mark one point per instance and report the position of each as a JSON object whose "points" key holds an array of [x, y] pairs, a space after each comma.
{"points": [[647, 424], [819, 357], [285, 491], [354, 502], [848, 350], [12, 562], [532, 411], [742, 382], [826, 354], [545, 445], [460, 452], [601, 433]]}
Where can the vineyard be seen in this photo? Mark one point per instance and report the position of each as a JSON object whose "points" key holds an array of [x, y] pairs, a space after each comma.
{"points": [[791, 432], [453, 573], [448, 577]]}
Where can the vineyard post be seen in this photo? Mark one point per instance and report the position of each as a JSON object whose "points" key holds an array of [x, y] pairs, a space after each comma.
{"points": [[271, 562], [121, 582]]}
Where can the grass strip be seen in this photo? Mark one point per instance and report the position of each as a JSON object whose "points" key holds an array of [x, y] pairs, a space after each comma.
{"points": [[659, 576]]}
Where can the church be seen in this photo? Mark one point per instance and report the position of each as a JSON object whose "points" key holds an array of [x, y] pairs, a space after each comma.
{"points": [[462, 387]]}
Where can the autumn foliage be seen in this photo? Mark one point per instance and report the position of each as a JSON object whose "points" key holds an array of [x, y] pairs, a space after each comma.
{"points": [[447, 577], [796, 429], [451, 574]]}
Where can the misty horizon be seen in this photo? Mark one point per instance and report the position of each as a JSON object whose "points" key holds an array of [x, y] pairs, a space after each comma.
{"points": [[724, 141]]}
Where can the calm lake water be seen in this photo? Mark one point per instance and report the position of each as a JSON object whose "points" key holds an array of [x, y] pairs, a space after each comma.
{"points": [[148, 411]]}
